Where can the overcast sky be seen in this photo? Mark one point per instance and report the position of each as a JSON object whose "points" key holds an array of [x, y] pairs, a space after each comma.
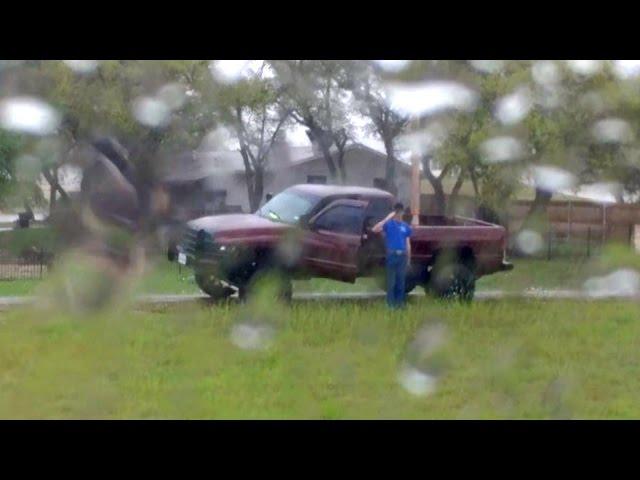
{"points": [[230, 70]]}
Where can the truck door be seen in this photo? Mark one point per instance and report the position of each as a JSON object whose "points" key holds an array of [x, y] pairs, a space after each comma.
{"points": [[333, 240]]}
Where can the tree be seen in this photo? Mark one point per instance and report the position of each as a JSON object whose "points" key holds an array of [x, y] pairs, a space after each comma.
{"points": [[103, 101], [386, 123], [251, 107], [316, 95]]}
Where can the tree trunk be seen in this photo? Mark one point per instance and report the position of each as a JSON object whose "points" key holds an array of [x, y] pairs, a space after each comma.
{"points": [[333, 173], [453, 196], [54, 184], [436, 183], [539, 205], [257, 191], [53, 193], [390, 170]]}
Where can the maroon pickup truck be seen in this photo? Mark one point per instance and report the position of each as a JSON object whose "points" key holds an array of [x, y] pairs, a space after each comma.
{"points": [[325, 231]]}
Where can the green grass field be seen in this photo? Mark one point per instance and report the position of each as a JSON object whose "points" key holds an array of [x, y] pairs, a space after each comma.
{"points": [[165, 277], [506, 359]]}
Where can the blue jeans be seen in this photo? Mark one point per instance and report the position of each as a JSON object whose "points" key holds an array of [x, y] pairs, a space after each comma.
{"points": [[396, 274]]}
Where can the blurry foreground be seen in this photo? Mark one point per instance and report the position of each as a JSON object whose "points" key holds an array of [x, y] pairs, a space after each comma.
{"points": [[507, 359]]}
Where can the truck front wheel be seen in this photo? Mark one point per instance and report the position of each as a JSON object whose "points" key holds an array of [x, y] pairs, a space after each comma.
{"points": [[213, 287]]}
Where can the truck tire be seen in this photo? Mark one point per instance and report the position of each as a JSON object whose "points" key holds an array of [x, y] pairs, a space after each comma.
{"points": [[213, 287], [453, 281]]}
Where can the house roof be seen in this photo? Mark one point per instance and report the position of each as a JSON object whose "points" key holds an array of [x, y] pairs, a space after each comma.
{"points": [[200, 164]]}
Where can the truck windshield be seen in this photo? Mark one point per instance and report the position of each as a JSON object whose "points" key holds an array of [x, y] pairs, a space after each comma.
{"points": [[288, 207]]}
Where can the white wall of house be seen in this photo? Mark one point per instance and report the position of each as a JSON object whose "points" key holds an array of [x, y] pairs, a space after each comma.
{"points": [[362, 166]]}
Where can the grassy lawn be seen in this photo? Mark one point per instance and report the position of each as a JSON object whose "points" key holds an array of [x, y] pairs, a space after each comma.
{"points": [[507, 359], [165, 277]]}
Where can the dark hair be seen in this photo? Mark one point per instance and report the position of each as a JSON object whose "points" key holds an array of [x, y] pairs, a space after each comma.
{"points": [[398, 207]]}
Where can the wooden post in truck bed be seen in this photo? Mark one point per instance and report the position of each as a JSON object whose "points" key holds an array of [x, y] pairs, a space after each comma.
{"points": [[415, 189], [415, 180]]}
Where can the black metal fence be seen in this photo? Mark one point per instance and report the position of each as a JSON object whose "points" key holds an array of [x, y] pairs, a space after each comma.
{"points": [[35, 265]]}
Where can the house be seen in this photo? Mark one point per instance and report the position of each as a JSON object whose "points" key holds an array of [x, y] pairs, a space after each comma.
{"points": [[201, 183]]}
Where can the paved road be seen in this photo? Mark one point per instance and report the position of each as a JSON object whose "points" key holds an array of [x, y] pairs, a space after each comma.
{"points": [[10, 302]]}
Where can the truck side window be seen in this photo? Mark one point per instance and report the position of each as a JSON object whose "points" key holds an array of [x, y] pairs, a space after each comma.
{"points": [[341, 219], [378, 209]]}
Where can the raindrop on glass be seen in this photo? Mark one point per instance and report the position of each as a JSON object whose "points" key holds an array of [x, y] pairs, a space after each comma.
{"points": [[393, 66], [173, 95], [585, 67], [529, 242], [82, 66], [513, 108], [228, 71], [501, 149], [28, 115], [151, 112], [552, 179], [613, 130], [430, 97], [487, 66], [249, 336]]}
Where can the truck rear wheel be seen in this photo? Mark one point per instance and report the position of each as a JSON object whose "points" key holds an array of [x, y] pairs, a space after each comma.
{"points": [[453, 281], [213, 287]]}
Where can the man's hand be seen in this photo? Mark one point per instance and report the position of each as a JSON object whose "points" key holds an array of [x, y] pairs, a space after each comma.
{"points": [[377, 228]]}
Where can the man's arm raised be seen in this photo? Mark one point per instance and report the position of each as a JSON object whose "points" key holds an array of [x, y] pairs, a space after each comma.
{"points": [[377, 228]]}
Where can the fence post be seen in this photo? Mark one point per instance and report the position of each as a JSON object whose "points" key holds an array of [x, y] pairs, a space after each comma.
{"points": [[589, 242], [41, 261]]}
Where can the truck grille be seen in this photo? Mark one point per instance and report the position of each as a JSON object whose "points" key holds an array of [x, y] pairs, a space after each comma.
{"points": [[197, 243]]}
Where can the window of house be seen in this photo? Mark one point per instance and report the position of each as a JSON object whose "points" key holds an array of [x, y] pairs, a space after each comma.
{"points": [[319, 179], [380, 183], [341, 219], [216, 198]]}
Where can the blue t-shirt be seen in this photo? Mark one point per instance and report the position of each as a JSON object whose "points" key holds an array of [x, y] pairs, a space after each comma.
{"points": [[396, 234]]}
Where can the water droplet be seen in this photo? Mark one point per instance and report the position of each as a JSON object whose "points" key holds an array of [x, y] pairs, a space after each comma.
{"points": [[28, 115], [431, 97], [623, 282], [249, 336], [585, 67], [419, 371], [529, 242], [546, 73], [613, 130], [82, 66], [416, 382], [424, 141], [151, 112], [228, 71], [393, 66], [487, 66], [625, 69], [552, 179], [173, 95], [513, 108], [501, 149]]}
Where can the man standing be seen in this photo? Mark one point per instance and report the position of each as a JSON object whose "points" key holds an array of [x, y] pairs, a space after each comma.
{"points": [[398, 246]]}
